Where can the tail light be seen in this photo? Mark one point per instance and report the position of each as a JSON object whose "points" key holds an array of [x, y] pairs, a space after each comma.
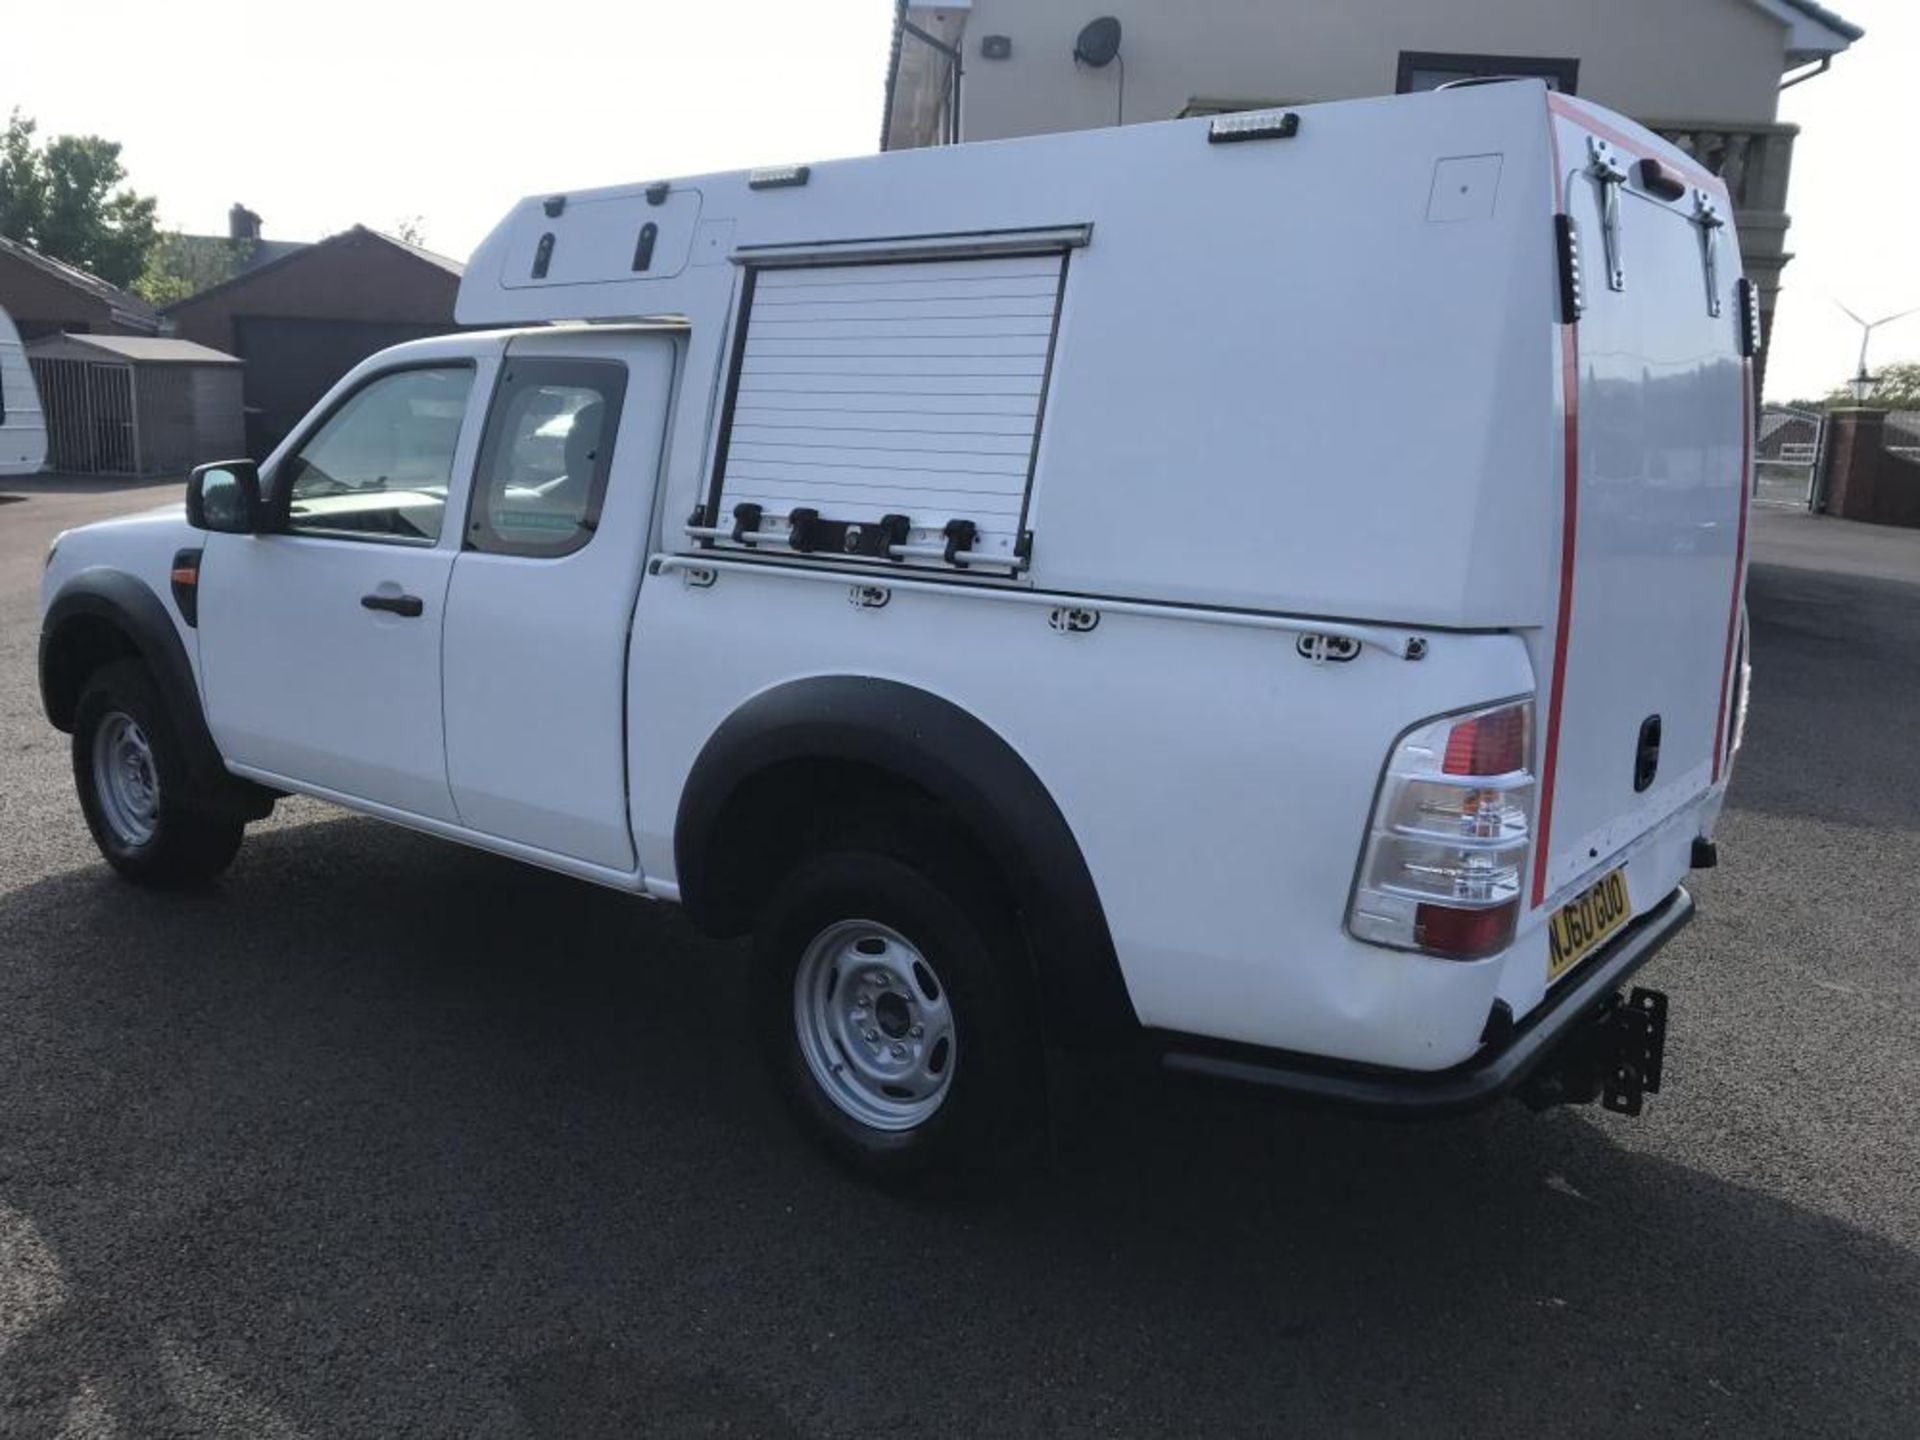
{"points": [[1447, 844]]}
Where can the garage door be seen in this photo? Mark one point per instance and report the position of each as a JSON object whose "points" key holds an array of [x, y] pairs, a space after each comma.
{"points": [[292, 362]]}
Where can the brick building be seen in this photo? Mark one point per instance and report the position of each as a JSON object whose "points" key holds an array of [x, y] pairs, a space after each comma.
{"points": [[301, 320], [50, 297]]}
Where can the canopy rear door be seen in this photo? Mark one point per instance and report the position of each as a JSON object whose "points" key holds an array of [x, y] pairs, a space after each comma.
{"points": [[1658, 524]]}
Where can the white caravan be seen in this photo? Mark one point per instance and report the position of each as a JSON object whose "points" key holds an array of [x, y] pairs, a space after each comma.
{"points": [[23, 428], [1261, 591]]}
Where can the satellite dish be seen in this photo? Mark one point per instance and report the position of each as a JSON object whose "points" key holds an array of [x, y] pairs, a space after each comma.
{"points": [[1097, 43]]}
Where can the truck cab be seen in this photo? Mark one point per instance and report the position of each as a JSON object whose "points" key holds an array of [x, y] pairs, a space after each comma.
{"points": [[436, 624], [932, 567]]}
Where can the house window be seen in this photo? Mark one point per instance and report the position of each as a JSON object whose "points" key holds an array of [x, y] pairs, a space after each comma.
{"points": [[1430, 69]]}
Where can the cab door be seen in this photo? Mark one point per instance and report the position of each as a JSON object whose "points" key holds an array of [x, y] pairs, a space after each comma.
{"points": [[555, 541], [320, 642]]}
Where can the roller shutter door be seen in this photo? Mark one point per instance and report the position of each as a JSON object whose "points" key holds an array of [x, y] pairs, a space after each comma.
{"points": [[910, 388]]}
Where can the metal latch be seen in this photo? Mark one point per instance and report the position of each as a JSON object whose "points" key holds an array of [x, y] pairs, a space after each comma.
{"points": [[1322, 648], [868, 597], [1072, 619], [1706, 214], [1606, 168]]}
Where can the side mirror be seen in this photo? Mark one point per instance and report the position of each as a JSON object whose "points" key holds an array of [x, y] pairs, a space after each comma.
{"points": [[225, 497]]}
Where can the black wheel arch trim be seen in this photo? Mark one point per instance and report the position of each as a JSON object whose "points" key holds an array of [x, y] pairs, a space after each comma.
{"points": [[958, 760], [131, 607]]}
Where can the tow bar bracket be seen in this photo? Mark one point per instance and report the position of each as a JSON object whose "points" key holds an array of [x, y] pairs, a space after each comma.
{"points": [[1641, 1048], [1617, 1057]]}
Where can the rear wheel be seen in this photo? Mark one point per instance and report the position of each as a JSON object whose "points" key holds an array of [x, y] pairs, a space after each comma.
{"points": [[134, 786], [890, 996]]}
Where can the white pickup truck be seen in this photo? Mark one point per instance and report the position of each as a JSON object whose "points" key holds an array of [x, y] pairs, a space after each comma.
{"points": [[1266, 590]]}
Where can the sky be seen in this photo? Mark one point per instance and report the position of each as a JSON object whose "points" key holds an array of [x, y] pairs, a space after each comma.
{"points": [[320, 117], [1855, 204], [323, 115]]}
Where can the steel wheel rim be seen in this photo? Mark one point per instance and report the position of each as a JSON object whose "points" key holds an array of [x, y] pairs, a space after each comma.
{"points": [[125, 780], [875, 1025]]}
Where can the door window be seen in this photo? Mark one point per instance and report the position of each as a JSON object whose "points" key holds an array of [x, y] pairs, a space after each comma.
{"points": [[378, 467], [545, 457]]}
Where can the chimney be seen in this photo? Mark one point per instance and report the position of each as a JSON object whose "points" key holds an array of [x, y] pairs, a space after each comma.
{"points": [[242, 223]]}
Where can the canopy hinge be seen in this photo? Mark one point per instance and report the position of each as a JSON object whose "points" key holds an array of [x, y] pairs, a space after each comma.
{"points": [[1706, 214], [1604, 166]]}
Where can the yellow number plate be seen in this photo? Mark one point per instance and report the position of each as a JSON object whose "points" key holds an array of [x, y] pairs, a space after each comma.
{"points": [[1581, 925]]}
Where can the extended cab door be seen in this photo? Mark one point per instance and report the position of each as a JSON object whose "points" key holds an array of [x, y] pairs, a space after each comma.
{"points": [[543, 591], [320, 645]]}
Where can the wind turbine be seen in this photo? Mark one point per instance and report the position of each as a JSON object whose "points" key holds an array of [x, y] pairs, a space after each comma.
{"points": [[1862, 381]]}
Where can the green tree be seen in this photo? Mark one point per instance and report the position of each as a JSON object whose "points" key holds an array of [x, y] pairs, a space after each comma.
{"points": [[64, 199], [1896, 387], [23, 183], [181, 265]]}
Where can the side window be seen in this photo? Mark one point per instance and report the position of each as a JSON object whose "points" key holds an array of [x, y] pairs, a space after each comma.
{"points": [[379, 465], [545, 457]]}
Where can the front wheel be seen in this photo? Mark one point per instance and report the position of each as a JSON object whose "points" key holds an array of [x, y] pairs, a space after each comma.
{"points": [[134, 786], [890, 1006]]}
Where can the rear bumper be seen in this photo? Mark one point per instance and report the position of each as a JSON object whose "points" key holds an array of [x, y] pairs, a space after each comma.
{"points": [[1500, 1064]]}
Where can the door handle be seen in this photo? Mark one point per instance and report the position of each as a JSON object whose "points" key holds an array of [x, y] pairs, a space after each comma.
{"points": [[410, 606]]}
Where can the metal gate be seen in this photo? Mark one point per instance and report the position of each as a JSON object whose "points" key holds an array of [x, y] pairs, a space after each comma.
{"points": [[1903, 434], [1787, 456], [92, 425]]}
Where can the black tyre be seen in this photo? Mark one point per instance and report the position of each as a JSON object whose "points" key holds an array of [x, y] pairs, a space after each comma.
{"points": [[134, 785], [894, 1009]]}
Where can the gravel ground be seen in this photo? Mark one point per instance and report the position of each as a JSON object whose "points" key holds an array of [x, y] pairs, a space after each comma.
{"points": [[385, 1137]]}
